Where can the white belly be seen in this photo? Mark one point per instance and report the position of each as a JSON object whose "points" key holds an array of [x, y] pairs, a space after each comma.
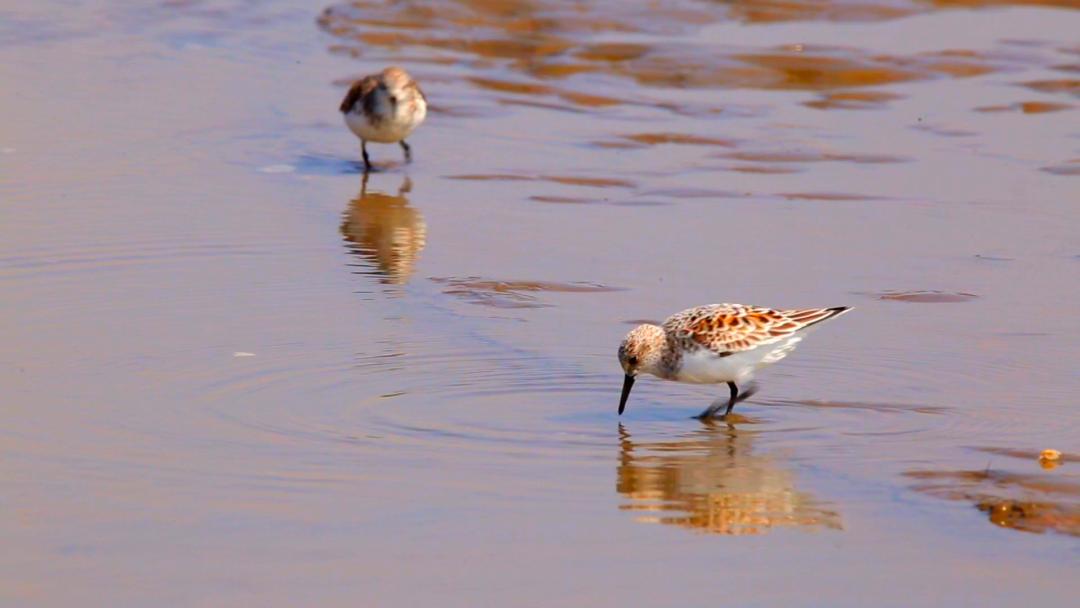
{"points": [[705, 367], [387, 131]]}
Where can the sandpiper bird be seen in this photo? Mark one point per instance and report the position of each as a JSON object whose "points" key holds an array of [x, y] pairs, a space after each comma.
{"points": [[384, 108], [714, 344]]}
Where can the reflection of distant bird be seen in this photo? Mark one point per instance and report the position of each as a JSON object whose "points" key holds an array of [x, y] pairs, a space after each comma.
{"points": [[385, 231], [711, 481]]}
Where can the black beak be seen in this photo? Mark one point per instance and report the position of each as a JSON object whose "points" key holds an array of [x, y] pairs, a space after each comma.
{"points": [[627, 384]]}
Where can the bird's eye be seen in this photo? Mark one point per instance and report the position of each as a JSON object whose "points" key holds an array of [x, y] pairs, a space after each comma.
{"points": [[632, 360], [393, 99]]}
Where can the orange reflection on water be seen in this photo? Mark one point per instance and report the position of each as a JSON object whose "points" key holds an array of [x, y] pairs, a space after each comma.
{"points": [[1027, 107], [552, 40], [1028, 502], [711, 481], [852, 100], [385, 232]]}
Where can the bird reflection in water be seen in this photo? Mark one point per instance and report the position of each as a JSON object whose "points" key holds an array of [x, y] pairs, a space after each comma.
{"points": [[711, 481], [385, 232]]}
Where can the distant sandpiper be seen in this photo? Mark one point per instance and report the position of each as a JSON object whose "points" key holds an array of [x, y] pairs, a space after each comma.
{"points": [[714, 344], [384, 108]]}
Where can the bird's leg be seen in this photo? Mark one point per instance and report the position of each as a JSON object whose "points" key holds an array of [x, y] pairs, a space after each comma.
{"points": [[720, 403], [408, 151], [363, 152], [731, 402]]}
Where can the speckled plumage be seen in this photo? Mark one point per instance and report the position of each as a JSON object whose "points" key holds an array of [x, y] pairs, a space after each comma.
{"points": [[726, 329], [716, 343]]}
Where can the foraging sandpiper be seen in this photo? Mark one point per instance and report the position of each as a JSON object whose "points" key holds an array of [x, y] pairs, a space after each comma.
{"points": [[715, 344]]}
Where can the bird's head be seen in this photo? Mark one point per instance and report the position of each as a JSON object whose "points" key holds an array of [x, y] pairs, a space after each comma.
{"points": [[399, 89], [641, 351]]}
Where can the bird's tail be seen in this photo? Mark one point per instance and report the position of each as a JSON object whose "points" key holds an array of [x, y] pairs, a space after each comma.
{"points": [[813, 316]]}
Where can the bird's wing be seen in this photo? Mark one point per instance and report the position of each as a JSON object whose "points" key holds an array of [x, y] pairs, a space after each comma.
{"points": [[730, 328], [358, 91]]}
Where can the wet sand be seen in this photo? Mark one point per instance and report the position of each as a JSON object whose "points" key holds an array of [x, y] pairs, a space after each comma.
{"points": [[235, 372]]}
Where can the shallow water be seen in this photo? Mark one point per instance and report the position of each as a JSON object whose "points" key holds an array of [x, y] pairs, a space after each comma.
{"points": [[238, 372]]}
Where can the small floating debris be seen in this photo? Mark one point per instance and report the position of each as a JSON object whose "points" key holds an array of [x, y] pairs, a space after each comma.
{"points": [[239, 354], [1049, 459], [1050, 454]]}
